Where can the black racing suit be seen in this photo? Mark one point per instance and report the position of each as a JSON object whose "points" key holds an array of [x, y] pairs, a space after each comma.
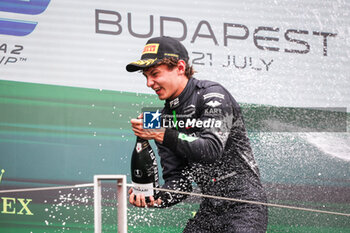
{"points": [[206, 142]]}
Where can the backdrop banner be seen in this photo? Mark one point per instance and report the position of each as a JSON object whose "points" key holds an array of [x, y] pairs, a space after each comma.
{"points": [[66, 101]]}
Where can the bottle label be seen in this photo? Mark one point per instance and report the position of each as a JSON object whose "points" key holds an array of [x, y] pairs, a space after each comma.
{"points": [[138, 147], [146, 189], [141, 145]]}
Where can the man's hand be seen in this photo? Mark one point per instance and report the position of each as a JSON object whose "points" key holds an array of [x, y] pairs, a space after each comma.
{"points": [[140, 200], [147, 134]]}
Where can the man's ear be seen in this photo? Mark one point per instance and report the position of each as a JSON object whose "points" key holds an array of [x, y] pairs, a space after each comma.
{"points": [[181, 67]]}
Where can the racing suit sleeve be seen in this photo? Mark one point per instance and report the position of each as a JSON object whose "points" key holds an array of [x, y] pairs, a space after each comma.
{"points": [[218, 111], [175, 177]]}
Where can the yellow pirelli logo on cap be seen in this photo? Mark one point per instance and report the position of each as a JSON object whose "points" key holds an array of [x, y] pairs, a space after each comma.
{"points": [[151, 48]]}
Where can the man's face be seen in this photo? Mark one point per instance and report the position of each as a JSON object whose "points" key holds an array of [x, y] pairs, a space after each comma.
{"points": [[167, 84]]}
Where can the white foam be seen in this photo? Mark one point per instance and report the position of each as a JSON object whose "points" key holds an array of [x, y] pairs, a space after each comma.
{"points": [[334, 144]]}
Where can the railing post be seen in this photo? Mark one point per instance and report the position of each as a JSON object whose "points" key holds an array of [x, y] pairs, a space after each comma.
{"points": [[121, 202]]}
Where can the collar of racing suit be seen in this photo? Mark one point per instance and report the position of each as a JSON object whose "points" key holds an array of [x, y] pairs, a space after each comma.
{"points": [[185, 94]]}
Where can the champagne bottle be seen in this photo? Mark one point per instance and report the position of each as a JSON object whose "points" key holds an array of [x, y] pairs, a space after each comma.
{"points": [[144, 169]]}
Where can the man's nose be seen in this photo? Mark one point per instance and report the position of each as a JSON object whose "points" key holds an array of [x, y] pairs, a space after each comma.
{"points": [[150, 82]]}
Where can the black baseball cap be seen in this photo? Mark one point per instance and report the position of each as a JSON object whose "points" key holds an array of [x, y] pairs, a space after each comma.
{"points": [[156, 49]]}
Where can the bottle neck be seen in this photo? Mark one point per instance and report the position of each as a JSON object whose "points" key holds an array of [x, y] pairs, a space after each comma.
{"points": [[138, 139]]}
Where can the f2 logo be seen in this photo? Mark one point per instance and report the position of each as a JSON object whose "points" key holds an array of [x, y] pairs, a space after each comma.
{"points": [[27, 7]]}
